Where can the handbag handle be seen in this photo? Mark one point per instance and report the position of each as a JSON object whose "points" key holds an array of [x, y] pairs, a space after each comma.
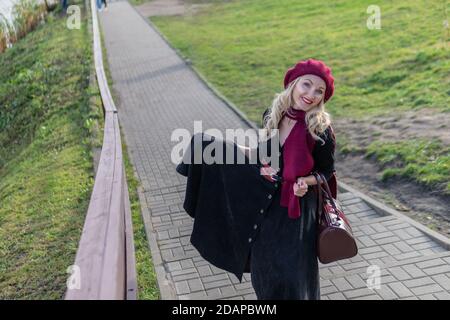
{"points": [[321, 180], [327, 190]]}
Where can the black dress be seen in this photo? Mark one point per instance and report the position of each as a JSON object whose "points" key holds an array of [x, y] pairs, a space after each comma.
{"points": [[239, 225], [283, 259]]}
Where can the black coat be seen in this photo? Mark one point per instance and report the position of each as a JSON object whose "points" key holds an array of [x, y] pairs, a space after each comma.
{"points": [[229, 202]]}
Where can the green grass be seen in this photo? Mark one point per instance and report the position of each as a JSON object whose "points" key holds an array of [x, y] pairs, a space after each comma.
{"points": [[424, 161], [146, 276], [138, 2], [46, 171], [346, 146], [245, 47], [50, 119], [413, 159]]}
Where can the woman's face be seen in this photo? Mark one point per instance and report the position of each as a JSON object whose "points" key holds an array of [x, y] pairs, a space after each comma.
{"points": [[308, 92]]}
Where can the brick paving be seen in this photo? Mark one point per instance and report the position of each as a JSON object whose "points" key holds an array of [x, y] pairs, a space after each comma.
{"points": [[158, 93]]}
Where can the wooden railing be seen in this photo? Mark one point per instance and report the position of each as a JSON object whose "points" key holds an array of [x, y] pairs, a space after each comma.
{"points": [[105, 260]]}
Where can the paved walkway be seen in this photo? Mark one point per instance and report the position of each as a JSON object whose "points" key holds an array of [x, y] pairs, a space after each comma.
{"points": [[158, 93]]}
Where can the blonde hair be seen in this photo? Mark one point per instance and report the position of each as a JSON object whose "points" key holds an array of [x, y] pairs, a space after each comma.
{"points": [[317, 119]]}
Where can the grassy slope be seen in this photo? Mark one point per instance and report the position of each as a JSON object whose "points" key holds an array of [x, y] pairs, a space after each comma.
{"points": [[48, 145], [244, 48], [45, 158]]}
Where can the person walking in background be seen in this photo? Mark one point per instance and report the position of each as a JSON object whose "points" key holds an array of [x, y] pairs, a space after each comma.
{"points": [[100, 4], [64, 5]]}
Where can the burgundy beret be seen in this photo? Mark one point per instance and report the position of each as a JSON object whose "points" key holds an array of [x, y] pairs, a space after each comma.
{"points": [[311, 66]]}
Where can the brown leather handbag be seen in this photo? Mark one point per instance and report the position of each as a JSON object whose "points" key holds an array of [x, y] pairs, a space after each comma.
{"points": [[335, 239]]}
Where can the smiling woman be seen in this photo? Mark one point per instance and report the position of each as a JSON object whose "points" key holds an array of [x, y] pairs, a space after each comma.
{"points": [[268, 226]]}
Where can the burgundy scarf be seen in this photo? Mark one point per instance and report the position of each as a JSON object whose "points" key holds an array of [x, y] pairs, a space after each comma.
{"points": [[297, 159]]}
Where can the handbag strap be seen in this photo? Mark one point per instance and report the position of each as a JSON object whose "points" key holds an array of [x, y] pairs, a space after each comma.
{"points": [[320, 197], [321, 180], [330, 196]]}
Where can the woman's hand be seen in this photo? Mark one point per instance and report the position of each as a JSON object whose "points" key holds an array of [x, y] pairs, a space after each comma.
{"points": [[267, 171], [300, 188]]}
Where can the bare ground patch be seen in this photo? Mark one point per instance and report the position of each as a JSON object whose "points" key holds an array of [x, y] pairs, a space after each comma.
{"points": [[410, 198], [424, 123], [413, 199]]}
